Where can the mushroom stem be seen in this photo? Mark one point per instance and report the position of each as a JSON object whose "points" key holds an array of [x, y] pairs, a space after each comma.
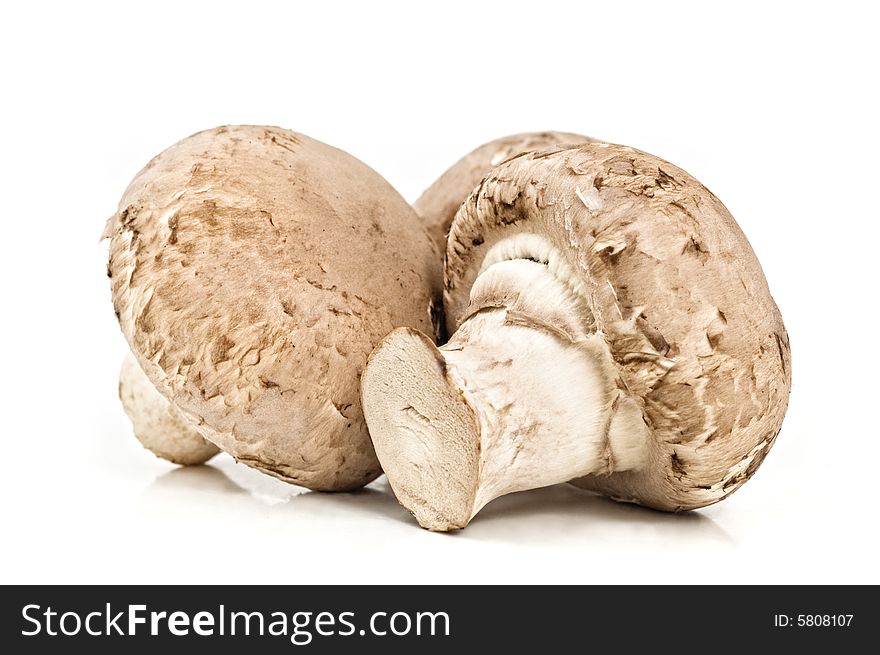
{"points": [[522, 396]]}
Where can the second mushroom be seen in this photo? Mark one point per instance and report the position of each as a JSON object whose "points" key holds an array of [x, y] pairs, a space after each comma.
{"points": [[610, 326]]}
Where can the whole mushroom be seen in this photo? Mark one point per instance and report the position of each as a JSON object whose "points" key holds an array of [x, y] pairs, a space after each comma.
{"points": [[439, 203], [253, 270], [612, 327]]}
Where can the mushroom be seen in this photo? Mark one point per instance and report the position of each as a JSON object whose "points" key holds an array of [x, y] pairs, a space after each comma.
{"points": [[253, 270], [439, 203], [158, 425], [611, 327]]}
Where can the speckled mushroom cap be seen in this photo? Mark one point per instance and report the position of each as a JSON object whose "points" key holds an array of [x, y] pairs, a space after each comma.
{"points": [[675, 290], [253, 269], [439, 203]]}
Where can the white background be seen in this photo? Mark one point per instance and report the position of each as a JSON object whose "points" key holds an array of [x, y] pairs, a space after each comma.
{"points": [[772, 106]]}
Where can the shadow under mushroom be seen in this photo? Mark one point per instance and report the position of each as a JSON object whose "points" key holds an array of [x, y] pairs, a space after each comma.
{"points": [[560, 514]]}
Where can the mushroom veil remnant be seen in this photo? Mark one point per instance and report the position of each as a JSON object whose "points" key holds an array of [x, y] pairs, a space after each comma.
{"points": [[611, 326], [253, 269]]}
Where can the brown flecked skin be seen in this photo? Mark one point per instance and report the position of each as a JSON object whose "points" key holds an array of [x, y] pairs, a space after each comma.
{"points": [[439, 203], [678, 294], [253, 270]]}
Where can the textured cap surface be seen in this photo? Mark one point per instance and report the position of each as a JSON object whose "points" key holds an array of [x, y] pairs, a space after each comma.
{"points": [[253, 270], [439, 203]]}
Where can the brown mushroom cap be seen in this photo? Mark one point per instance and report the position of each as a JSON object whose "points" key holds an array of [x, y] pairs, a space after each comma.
{"points": [[677, 293], [438, 205], [253, 269]]}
